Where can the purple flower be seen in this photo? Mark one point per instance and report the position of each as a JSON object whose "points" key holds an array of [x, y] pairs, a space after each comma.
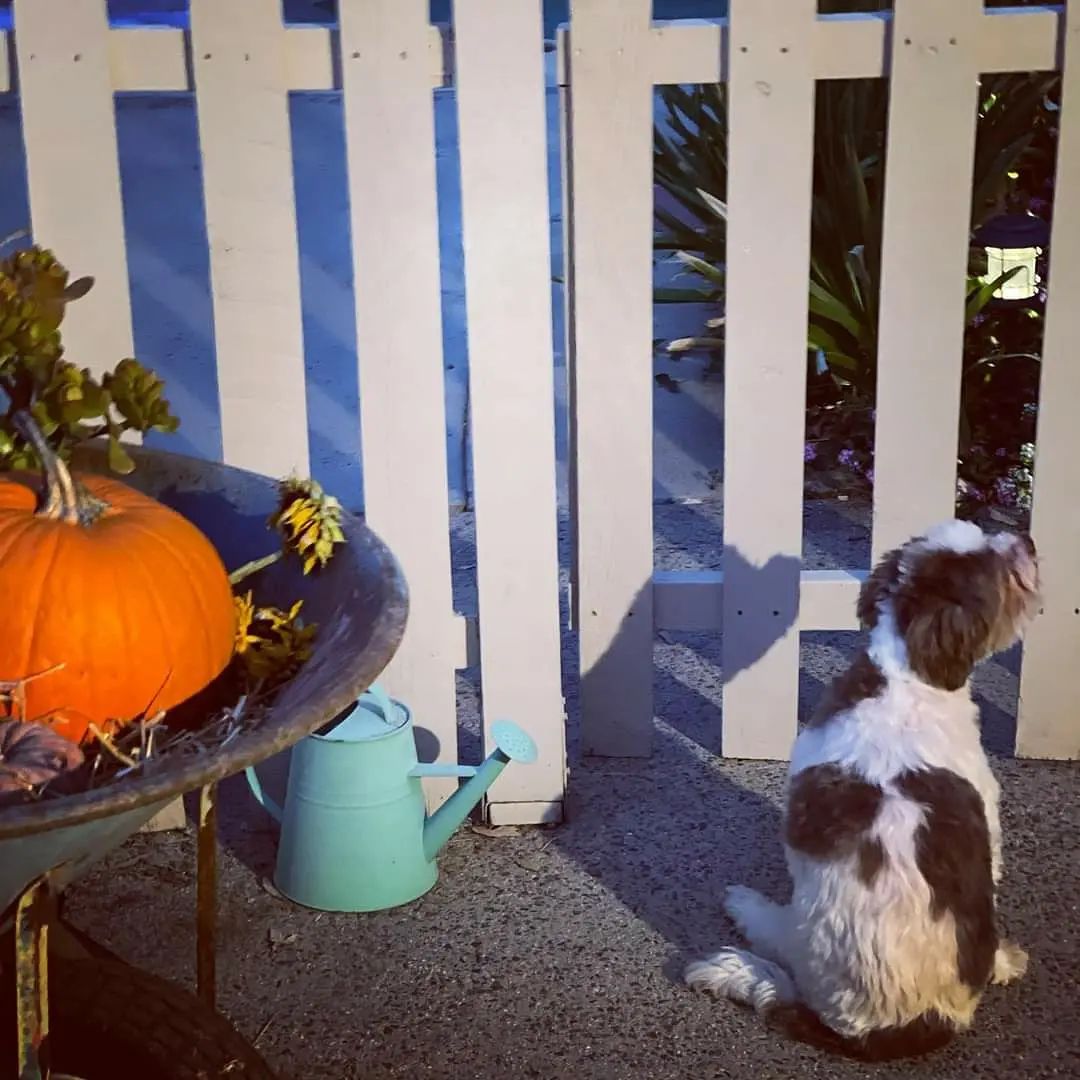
{"points": [[847, 457], [1005, 491], [809, 452], [870, 475], [966, 489]]}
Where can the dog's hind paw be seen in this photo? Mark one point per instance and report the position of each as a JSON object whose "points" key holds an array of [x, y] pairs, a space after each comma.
{"points": [[741, 976], [725, 973]]}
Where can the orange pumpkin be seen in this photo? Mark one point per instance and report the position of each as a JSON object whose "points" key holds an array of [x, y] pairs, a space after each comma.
{"points": [[127, 595]]}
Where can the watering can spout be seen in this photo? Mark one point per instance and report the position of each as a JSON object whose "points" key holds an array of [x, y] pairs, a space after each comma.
{"points": [[511, 744]]}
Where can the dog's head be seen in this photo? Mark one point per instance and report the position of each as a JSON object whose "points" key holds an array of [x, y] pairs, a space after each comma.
{"points": [[954, 596]]}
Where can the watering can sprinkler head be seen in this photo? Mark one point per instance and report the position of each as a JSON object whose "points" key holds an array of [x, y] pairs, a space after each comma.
{"points": [[511, 744]]}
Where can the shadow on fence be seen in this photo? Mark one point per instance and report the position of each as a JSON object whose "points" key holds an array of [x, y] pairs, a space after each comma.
{"points": [[771, 610]]}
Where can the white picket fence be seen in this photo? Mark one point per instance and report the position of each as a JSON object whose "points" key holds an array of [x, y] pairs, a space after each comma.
{"points": [[770, 52], [241, 62]]}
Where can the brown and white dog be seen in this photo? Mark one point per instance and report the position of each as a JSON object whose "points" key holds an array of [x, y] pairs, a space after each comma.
{"points": [[891, 828]]}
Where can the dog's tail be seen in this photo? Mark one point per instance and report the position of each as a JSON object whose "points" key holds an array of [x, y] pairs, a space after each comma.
{"points": [[742, 976]]}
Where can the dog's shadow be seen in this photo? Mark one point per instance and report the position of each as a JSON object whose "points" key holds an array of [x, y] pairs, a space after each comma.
{"points": [[666, 835]]}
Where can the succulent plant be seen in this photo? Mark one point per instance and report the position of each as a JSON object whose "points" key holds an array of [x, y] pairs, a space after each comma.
{"points": [[69, 404]]}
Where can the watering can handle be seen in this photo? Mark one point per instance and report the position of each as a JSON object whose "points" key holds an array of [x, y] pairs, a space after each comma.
{"points": [[261, 797], [373, 693], [379, 696]]}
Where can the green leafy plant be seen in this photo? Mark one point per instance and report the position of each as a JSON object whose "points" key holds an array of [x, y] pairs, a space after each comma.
{"points": [[690, 162], [1013, 156], [69, 404]]}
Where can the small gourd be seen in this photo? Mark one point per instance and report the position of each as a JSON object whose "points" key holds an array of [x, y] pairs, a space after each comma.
{"points": [[32, 754]]}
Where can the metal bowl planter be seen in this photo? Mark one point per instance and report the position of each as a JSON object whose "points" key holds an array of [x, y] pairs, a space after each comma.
{"points": [[360, 604]]}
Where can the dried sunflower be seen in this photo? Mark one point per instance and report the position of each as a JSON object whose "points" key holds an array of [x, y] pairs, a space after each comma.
{"points": [[271, 644]]}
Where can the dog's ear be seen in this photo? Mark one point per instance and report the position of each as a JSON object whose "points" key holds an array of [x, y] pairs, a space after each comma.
{"points": [[946, 612], [944, 644], [881, 583]]}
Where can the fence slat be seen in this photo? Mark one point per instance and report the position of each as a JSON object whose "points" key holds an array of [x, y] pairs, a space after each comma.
{"points": [[569, 291], [771, 118], [684, 52], [847, 46], [1047, 724], [611, 163], [1019, 39], [69, 131], [390, 150], [148, 58], [245, 141], [929, 161], [503, 138], [694, 599]]}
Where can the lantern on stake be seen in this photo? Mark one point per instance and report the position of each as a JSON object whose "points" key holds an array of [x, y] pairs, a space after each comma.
{"points": [[1007, 242]]}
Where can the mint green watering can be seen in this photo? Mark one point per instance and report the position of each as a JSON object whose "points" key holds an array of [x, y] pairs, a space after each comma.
{"points": [[354, 832]]}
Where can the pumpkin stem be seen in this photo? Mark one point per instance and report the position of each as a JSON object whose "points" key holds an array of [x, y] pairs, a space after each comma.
{"points": [[65, 499]]}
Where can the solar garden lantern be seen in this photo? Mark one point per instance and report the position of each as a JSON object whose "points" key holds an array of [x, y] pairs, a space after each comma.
{"points": [[1008, 241]]}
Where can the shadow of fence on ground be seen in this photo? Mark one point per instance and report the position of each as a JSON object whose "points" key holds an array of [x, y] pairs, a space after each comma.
{"points": [[666, 834]]}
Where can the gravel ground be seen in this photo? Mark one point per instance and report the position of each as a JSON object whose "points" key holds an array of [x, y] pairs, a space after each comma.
{"points": [[555, 952]]}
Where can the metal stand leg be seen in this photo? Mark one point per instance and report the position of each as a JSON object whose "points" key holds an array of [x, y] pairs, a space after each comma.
{"points": [[206, 890], [32, 979]]}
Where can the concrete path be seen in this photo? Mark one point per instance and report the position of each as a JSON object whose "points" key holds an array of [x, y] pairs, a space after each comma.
{"points": [[555, 953]]}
